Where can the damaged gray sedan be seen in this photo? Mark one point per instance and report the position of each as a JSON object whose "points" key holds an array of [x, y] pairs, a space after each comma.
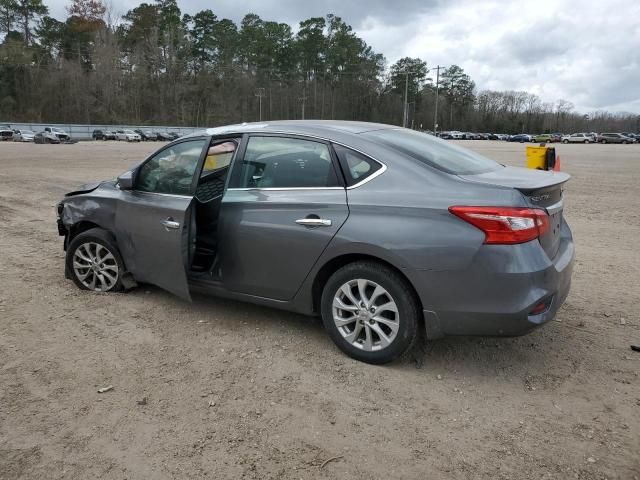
{"points": [[385, 232]]}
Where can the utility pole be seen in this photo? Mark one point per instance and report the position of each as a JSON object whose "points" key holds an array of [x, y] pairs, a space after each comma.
{"points": [[260, 92], [435, 115], [406, 92], [303, 99]]}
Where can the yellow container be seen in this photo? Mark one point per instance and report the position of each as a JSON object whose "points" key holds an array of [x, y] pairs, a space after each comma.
{"points": [[536, 158]]}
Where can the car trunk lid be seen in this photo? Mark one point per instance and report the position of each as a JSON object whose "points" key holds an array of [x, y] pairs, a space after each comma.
{"points": [[541, 189]]}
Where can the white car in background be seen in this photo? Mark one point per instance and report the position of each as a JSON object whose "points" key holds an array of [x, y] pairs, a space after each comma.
{"points": [[128, 135], [6, 133], [21, 135], [58, 132], [579, 138]]}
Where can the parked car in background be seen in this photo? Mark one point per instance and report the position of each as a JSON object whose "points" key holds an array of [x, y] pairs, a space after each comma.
{"points": [[163, 136], [578, 138], [374, 256], [103, 135], [491, 136], [173, 135], [544, 138], [452, 135], [58, 132], [127, 135], [147, 135], [614, 138], [521, 137], [22, 135], [6, 133], [46, 137], [632, 135]]}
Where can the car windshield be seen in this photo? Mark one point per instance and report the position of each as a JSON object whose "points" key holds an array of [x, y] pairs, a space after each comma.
{"points": [[433, 151], [26, 132], [57, 130], [130, 132]]}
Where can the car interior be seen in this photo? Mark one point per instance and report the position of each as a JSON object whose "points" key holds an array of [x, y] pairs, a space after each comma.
{"points": [[208, 197]]}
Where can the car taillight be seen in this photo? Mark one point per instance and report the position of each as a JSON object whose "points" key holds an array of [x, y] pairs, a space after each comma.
{"points": [[505, 225]]}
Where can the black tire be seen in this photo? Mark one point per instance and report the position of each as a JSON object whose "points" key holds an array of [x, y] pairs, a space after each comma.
{"points": [[565, 141], [603, 141], [104, 238], [624, 142], [400, 292]]}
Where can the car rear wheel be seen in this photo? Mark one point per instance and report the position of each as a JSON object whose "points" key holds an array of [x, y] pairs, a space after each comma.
{"points": [[370, 312], [94, 262], [565, 141], [586, 141]]}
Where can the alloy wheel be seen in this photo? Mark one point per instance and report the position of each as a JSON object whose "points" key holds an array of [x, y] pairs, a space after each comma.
{"points": [[366, 315], [95, 266]]}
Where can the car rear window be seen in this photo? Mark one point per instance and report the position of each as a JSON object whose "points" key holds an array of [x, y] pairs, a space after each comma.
{"points": [[433, 151], [355, 165]]}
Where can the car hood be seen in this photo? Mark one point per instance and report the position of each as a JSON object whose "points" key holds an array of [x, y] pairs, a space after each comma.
{"points": [[86, 188], [524, 179]]}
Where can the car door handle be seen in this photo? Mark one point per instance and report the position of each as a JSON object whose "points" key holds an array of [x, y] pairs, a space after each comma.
{"points": [[170, 224], [314, 222]]}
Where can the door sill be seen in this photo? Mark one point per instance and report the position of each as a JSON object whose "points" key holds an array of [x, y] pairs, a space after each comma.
{"points": [[203, 277]]}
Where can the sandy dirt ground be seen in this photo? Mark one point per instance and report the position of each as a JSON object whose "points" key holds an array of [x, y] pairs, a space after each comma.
{"points": [[220, 389]]}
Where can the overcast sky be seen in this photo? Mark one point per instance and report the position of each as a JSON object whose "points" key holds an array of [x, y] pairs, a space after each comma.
{"points": [[587, 52]]}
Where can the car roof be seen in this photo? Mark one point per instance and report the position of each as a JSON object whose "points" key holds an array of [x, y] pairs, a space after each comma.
{"points": [[321, 128]]}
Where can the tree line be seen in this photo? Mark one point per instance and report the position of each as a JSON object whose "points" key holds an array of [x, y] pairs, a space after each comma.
{"points": [[157, 65]]}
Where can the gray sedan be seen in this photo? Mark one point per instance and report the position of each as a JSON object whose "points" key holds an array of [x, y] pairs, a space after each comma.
{"points": [[384, 232]]}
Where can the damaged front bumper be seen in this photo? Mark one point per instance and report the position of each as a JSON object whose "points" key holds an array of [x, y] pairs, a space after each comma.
{"points": [[62, 230]]}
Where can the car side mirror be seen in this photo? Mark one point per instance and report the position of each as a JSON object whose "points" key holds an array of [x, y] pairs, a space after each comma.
{"points": [[125, 181]]}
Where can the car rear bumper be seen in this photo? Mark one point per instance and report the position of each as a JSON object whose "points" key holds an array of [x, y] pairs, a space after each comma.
{"points": [[496, 295]]}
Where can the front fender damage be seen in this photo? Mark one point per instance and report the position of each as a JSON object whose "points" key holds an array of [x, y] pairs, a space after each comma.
{"points": [[97, 209]]}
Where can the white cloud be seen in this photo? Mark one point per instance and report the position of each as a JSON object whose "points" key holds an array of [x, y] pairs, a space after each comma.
{"points": [[585, 52]]}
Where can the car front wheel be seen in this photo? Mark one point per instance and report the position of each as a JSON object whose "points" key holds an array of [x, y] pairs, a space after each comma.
{"points": [[94, 262], [370, 312]]}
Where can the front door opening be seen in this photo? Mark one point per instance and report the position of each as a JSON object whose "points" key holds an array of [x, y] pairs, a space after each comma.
{"points": [[208, 198]]}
